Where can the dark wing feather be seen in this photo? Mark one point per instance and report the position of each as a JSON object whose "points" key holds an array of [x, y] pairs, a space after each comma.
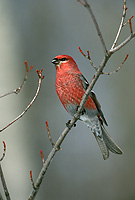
{"points": [[93, 96]]}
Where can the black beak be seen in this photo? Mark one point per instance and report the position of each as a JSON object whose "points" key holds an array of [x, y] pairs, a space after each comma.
{"points": [[55, 61]]}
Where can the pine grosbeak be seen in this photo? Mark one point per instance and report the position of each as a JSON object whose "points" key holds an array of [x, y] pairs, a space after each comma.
{"points": [[70, 87]]}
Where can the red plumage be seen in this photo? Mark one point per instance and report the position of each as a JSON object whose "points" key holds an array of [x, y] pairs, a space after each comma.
{"points": [[70, 87]]}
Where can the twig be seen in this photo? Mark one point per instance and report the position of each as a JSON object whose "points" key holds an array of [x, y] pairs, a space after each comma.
{"points": [[16, 91], [128, 21], [95, 23], [42, 156], [88, 57], [31, 178], [4, 152], [49, 135], [121, 25], [30, 104], [110, 73], [111, 51], [130, 25], [4, 184]]}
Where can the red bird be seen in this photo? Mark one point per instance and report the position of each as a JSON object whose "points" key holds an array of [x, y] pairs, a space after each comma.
{"points": [[70, 87]]}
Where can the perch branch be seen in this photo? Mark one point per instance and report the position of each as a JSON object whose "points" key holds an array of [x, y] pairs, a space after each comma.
{"points": [[16, 91], [30, 104]]}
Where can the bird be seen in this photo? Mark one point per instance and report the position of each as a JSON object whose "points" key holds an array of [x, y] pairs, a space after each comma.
{"points": [[70, 87]]}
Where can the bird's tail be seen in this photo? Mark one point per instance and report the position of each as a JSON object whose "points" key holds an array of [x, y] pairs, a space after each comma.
{"points": [[106, 143], [111, 145]]}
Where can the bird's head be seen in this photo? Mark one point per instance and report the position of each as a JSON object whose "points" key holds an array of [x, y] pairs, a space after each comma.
{"points": [[65, 63]]}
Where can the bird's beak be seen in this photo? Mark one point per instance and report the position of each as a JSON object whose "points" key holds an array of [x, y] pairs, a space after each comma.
{"points": [[55, 61]]}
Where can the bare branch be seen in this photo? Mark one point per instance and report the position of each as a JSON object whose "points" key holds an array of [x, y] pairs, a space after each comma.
{"points": [[88, 57], [85, 3], [31, 178], [122, 44], [49, 135], [130, 25], [30, 104], [4, 184], [110, 73], [16, 91], [121, 25]]}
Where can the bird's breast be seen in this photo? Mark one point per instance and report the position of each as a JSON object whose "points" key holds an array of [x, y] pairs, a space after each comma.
{"points": [[70, 90]]}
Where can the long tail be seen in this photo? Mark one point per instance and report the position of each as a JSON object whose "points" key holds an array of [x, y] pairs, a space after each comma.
{"points": [[111, 145], [106, 143]]}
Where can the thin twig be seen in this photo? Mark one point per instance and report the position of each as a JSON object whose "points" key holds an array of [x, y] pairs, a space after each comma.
{"points": [[4, 151], [49, 135], [110, 73], [4, 184], [16, 91], [95, 23], [31, 178], [30, 104], [88, 57], [121, 25], [130, 25], [42, 156], [128, 21], [122, 44]]}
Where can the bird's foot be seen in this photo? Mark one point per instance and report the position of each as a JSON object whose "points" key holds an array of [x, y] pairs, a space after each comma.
{"points": [[68, 124]]}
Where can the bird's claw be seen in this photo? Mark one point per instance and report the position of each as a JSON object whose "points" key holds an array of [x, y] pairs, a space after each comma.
{"points": [[68, 124]]}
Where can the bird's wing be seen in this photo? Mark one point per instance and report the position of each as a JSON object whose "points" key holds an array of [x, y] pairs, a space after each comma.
{"points": [[93, 96]]}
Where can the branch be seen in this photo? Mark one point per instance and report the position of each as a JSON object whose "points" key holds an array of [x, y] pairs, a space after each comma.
{"points": [[16, 91], [88, 57], [95, 23], [121, 25], [49, 135], [2, 176], [110, 73], [122, 44], [4, 152], [4, 184], [30, 104]]}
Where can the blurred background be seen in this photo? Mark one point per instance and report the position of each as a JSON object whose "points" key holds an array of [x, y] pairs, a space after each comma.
{"points": [[37, 31]]}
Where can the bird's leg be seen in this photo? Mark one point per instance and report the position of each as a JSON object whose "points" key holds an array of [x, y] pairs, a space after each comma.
{"points": [[83, 111], [68, 124]]}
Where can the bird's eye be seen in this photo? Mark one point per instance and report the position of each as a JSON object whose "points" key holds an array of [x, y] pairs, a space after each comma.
{"points": [[63, 59]]}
